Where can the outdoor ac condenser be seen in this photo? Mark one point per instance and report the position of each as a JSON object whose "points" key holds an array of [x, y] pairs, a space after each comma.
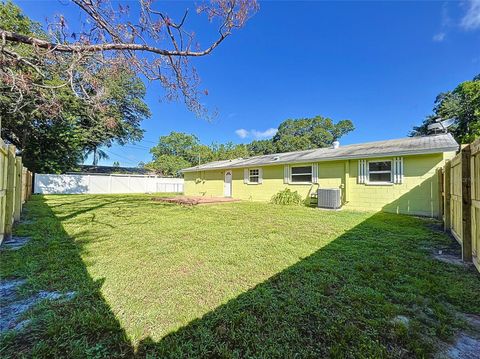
{"points": [[330, 198]]}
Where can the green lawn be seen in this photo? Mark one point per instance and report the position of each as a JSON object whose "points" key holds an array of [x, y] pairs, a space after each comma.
{"points": [[232, 280]]}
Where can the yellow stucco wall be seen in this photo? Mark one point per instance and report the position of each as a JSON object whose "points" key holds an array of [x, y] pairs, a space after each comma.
{"points": [[418, 194]]}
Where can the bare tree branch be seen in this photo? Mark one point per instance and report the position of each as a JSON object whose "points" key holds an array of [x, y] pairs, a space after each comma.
{"points": [[156, 47]]}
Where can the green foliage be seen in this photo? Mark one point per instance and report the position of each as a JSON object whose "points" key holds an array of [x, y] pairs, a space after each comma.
{"points": [[463, 103], [262, 281], [228, 151], [177, 144], [287, 197], [168, 165], [55, 137], [261, 147], [179, 150], [302, 134], [48, 145], [12, 19], [51, 146], [314, 132]]}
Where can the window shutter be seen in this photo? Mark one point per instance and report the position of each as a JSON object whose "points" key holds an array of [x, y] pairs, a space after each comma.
{"points": [[260, 175], [398, 170], [362, 171], [286, 174], [315, 173], [245, 175]]}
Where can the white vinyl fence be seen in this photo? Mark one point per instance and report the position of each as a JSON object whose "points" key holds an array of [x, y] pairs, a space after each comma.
{"points": [[104, 184]]}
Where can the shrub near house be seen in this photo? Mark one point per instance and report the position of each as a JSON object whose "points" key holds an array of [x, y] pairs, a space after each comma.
{"points": [[394, 175]]}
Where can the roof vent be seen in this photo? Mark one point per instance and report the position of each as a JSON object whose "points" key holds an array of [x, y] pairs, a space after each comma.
{"points": [[335, 144], [276, 158]]}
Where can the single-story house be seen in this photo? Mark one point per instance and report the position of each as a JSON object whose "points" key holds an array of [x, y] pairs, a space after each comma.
{"points": [[394, 175]]}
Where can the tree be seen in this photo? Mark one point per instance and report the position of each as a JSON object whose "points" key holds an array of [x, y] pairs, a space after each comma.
{"points": [[308, 133], [168, 165], [120, 117], [228, 151], [155, 46], [462, 104], [52, 147], [261, 147], [54, 140], [72, 128], [177, 144], [180, 150], [290, 143]]}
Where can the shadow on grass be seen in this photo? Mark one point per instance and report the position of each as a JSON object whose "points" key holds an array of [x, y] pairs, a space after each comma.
{"points": [[341, 301], [338, 302], [81, 327]]}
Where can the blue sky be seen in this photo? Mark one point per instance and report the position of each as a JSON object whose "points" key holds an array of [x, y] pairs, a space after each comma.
{"points": [[379, 64]]}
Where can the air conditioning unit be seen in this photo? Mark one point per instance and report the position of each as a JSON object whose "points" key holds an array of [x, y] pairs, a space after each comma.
{"points": [[330, 198]]}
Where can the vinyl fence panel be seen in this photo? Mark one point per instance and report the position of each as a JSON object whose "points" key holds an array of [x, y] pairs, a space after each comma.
{"points": [[104, 184]]}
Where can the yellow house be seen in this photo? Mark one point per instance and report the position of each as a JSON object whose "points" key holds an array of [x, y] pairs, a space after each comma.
{"points": [[394, 175]]}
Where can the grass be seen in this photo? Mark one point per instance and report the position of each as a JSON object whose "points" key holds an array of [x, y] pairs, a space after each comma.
{"points": [[232, 280]]}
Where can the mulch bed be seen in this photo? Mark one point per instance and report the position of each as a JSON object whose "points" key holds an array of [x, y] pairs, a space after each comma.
{"points": [[193, 201]]}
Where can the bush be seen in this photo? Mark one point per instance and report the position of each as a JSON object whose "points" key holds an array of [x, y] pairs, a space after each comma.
{"points": [[287, 197]]}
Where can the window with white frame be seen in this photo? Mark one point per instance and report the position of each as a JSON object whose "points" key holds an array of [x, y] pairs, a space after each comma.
{"points": [[254, 175], [301, 174], [380, 171]]}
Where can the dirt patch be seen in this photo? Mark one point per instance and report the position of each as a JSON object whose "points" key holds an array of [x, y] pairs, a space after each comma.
{"points": [[465, 347], [14, 243], [451, 254], [401, 320], [466, 344], [8, 288], [473, 321], [193, 201], [449, 258], [13, 307]]}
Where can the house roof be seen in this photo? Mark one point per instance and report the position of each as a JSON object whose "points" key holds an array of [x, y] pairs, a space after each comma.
{"points": [[103, 170], [398, 147]]}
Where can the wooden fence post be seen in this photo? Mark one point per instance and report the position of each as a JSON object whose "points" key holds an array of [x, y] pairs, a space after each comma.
{"points": [[18, 189], [447, 173], [10, 192], [440, 193], [466, 205], [24, 184]]}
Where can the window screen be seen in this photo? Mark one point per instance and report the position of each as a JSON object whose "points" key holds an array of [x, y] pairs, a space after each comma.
{"points": [[380, 171], [302, 174], [254, 175]]}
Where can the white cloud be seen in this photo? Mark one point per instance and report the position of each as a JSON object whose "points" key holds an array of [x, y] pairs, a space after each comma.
{"points": [[242, 133], [264, 134], [471, 20], [439, 37], [258, 135]]}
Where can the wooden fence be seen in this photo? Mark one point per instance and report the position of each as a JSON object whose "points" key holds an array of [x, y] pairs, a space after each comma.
{"points": [[460, 189], [15, 188]]}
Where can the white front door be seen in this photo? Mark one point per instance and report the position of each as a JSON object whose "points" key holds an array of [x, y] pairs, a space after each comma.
{"points": [[227, 185]]}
